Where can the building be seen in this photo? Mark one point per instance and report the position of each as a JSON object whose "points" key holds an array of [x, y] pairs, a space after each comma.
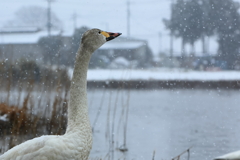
{"points": [[17, 43], [130, 49], [24, 43]]}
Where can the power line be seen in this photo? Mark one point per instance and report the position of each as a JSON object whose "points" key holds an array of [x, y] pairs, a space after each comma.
{"points": [[74, 18]]}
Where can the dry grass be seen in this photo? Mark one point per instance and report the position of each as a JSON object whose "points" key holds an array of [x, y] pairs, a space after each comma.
{"points": [[28, 120], [31, 117], [46, 113], [22, 124]]}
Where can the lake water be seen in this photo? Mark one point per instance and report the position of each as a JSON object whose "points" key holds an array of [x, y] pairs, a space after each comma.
{"points": [[165, 121]]}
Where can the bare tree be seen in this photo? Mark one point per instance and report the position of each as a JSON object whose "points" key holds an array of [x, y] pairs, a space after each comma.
{"points": [[34, 16]]}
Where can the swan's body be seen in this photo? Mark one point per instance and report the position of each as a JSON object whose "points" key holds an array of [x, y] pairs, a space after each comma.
{"points": [[230, 156], [76, 143]]}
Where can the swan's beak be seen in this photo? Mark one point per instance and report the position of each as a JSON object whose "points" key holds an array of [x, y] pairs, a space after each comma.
{"points": [[109, 35]]}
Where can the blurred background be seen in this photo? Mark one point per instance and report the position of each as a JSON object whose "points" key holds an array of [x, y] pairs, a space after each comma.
{"points": [[170, 82]]}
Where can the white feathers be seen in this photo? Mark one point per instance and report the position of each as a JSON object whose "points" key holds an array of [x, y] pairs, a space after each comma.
{"points": [[230, 156], [76, 143]]}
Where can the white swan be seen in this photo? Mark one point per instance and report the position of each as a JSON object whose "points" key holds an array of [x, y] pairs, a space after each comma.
{"points": [[230, 156], [76, 143]]}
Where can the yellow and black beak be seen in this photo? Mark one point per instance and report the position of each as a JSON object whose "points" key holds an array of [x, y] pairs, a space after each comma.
{"points": [[109, 35]]}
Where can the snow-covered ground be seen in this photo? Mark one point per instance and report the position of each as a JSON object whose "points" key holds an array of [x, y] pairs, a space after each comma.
{"points": [[161, 74]]}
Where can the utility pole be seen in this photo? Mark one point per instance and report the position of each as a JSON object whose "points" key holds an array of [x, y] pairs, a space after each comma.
{"points": [[128, 18], [171, 34], [74, 17], [160, 42], [49, 24]]}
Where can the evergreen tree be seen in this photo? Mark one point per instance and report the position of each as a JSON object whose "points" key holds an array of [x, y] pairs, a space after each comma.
{"points": [[195, 19], [186, 21], [226, 21]]}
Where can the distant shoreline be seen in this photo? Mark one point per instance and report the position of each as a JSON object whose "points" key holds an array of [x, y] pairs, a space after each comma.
{"points": [[162, 84]]}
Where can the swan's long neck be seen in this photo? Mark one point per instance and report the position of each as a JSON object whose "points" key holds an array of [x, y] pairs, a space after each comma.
{"points": [[78, 120]]}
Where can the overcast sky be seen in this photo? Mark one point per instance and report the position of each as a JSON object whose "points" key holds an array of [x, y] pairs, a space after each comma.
{"points": [[145, 18]]}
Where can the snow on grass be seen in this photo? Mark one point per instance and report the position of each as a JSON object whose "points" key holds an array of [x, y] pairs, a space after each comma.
{"points": [[160, 74]]}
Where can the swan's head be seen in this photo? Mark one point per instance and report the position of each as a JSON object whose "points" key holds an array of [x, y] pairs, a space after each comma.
{"points": [[95, 38]]}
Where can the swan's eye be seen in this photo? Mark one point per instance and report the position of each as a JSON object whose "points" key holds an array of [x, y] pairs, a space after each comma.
{"points": [[99, 32]]}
